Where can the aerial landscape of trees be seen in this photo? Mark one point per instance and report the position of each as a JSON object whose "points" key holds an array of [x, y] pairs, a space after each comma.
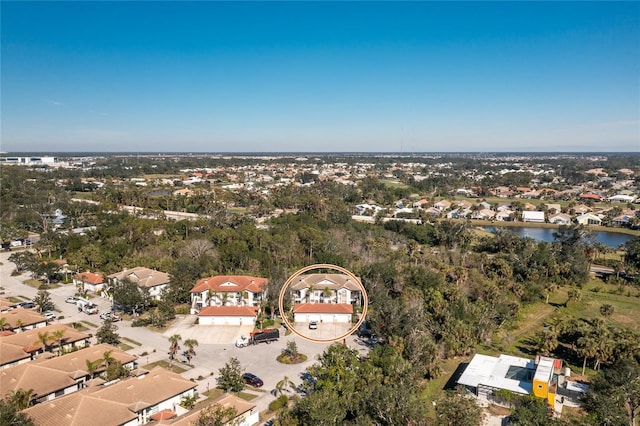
{"points": [[439, 289]]}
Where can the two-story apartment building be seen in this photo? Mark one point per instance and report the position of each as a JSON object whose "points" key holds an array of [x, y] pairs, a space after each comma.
{"points": [[228, 290]]}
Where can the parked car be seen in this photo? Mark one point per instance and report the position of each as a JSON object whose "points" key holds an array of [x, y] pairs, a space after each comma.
{"points": [[26, 305], [90, 309], [106, 316], [253, 380], [71, 299], [313, 325], [50, 316]]}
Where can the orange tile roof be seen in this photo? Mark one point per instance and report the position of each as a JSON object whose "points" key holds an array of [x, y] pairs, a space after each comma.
{"points": [[231, 283], [90, 277], [228, 311], [323, 308]]}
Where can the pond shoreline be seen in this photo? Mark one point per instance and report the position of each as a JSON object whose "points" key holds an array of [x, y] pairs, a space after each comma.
{"points": [[502, 224]]}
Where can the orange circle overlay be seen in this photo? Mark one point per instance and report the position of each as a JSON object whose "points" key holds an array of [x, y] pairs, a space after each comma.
{"points": [[301, 271]]}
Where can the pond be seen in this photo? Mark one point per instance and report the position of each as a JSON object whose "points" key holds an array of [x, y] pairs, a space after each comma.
{"points": [[609, 239]]}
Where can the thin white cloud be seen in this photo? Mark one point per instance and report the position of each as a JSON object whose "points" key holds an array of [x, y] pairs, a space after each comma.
{"points": [[52, 102]]}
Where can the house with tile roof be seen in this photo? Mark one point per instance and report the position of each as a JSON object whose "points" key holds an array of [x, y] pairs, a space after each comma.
{"points": [[560, 219], [325, 288], [325, 297], [154, 281], [20, 319], [131, 402], [228, 315], [323, 312], [228, 290], [246, 413], [51, 378], [89, 281], [30, 340]]}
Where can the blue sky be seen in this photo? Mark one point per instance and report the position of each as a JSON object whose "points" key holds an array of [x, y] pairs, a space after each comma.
{"points": [[301, 76]]}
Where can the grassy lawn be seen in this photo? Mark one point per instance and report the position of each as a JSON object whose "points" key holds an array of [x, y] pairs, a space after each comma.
{"points": [[393, 183], [132, 341], [245, 395], [124, 346], [434, 387], [90, 324], [176, 367], [78, 326]]}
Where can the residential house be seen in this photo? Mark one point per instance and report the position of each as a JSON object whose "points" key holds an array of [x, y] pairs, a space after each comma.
{"points": [[325, 297], [89, 281], [483, 214], [590, 196], [228, 290], [623, 219], [619, 198], [442, 205], [533, 216], [560, 219], [31, 340], [528, 207], [553, 208], [20, 319], [326, 288], [581, 209], [505, 215], [129, 402], [503, 192], [246, 413], [147, 278], [535, 194], [54, 377], [457, 213], [423, 203], [543, 377], [588, 219]]}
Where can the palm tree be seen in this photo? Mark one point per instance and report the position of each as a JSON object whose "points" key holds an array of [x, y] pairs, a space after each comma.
{"points": [[606, 310], [210, 295], [92, 366], [21, 398], [284, 384], [4, 324], [190, 344], [58, 336], [310, 291], [44, 338], [19, 324], [173, 347]]}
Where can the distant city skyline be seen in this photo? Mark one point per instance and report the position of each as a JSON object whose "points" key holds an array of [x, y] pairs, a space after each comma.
{"points": [[320, 77]]}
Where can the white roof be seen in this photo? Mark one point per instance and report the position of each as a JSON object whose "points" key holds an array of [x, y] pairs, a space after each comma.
{"points": [[577, 387], [492, 371], [544, 371], [533, 215]]}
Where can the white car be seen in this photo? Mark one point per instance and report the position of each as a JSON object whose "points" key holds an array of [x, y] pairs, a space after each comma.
{"points": [[313, 325], [50, 316], [71, 299]]}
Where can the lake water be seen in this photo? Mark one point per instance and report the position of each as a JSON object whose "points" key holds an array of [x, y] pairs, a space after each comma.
{"points": [[609, 239]]}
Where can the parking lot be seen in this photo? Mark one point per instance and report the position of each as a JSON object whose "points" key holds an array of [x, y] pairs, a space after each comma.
{"points": [[323, 330], [184, 325]]}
